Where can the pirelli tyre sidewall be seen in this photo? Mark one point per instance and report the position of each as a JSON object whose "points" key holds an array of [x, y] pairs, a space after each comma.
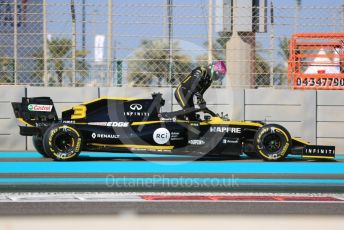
{"points": [[62, 142], [272, 142]]}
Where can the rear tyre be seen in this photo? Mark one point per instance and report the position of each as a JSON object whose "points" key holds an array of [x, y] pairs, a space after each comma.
{"points": [[62, 142], [272, 142], [37, 141]]}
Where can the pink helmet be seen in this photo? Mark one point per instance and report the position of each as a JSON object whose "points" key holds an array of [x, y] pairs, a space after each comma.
{"points": [[218, 70]]}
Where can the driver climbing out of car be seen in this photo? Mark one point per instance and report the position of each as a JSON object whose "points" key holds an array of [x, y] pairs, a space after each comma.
{"points": [[195, 84]]}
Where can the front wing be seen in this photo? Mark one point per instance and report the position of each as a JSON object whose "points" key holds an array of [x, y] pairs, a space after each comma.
{"points": [[319, 152]]}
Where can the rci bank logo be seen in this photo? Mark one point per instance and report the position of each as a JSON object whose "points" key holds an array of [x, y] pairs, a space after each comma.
{"points": [[161, 136]]}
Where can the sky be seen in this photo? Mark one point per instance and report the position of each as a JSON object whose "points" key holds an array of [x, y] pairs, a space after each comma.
{"points": [[135, 20]]}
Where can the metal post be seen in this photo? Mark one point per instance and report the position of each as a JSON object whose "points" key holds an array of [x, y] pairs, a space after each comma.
{"points": [[83, 37], [45, 44], [165, 39], [272, 40], [114, 66], [342, 17], [296, 16], [84, 26], [15, 40], [109, 44], [165, 30], [72, 5], [170, 39], [210, 32], [298, 11]]}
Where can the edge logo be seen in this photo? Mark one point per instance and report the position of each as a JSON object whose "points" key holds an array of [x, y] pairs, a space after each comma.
{"points": [[135, 107], [110, 124]]}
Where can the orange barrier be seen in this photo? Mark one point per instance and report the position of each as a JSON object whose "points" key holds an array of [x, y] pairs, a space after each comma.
{"points": [[316, 61]]}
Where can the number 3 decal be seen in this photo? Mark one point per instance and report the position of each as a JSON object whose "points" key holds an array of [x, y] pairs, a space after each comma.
{"points": [[79, 112]]}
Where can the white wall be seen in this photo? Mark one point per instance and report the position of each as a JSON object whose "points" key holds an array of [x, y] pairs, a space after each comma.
{"points": [[330, 119], [296, 110], [317, 116]]}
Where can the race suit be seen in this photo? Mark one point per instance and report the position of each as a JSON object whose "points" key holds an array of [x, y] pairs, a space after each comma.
{"points": [[195, 84]]}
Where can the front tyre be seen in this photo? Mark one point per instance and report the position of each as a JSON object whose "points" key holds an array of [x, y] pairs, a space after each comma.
{"points": [[272, 142], [62, 142]]}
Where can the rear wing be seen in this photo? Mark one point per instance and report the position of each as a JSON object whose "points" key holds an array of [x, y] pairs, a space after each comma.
{"points": [[34, 112]]}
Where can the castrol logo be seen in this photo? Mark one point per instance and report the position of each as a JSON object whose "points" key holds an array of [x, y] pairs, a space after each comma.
{"points": [[40, 108]]}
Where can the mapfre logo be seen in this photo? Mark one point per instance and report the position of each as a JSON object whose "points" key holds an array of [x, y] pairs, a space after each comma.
{"points": [[161, 136], [40, 108], [225, 130], [135, 107]]}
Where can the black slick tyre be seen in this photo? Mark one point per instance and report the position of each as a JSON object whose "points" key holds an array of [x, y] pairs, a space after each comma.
{"points": [[37, 141], [62, 142], [272, 142]]}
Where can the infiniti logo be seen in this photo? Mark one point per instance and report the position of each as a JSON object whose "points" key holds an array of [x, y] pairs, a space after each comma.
{"points": [[137, 107]]}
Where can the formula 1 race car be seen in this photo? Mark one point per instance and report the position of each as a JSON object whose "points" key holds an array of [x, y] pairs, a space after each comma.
{"points": [[137, 125]]}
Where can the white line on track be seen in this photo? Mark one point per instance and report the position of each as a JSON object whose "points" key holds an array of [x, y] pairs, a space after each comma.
{"points": [[138, 197]]}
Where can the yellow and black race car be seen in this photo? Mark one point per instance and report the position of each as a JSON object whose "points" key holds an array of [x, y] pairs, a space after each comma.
{"points": [[137, 125]]}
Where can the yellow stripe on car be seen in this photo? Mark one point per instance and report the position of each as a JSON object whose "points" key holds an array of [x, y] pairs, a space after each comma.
{"points": [[219, 121], [300, 140], [112, 98], [107, 98], [319, 157], [146, 122], [24, 122], [154, 122], [155, 147]]}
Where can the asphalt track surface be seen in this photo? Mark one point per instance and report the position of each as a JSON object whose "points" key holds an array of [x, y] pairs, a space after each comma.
{"points": [[185, 185], [28, 171]]}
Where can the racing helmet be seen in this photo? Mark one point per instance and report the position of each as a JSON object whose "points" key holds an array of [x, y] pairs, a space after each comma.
{"points": [[218, 70]]}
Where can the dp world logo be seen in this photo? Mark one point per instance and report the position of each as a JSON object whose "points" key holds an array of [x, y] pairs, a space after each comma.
{"points": [[94, 135], [135, 107]]}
